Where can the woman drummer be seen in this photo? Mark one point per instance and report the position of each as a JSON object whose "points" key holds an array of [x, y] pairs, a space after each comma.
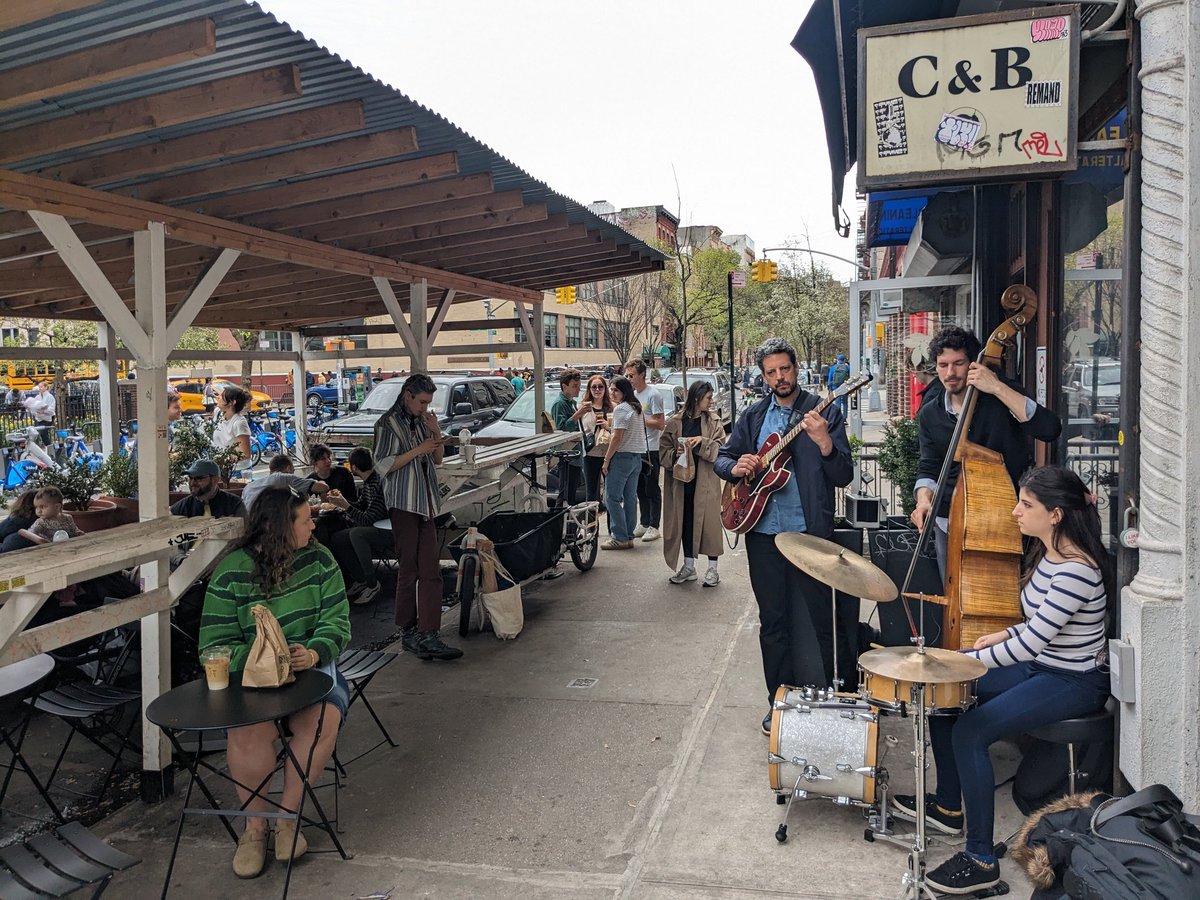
{"points": [[1044, 670]]}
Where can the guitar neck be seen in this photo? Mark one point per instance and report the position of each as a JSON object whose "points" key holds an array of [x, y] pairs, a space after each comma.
{"points": [[794, 432]]}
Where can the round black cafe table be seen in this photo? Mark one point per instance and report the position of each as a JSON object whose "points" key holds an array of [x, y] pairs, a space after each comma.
{"points": [[194, 707], [19, 681]]}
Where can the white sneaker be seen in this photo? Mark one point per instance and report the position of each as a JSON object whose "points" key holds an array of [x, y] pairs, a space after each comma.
{"points": [[712, 578], [639, 531], [650, 535], [685, 573]]}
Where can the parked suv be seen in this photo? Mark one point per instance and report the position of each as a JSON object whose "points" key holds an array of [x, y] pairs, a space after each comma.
{"points": [[718, 378], [460, 402], [1092, 385]]}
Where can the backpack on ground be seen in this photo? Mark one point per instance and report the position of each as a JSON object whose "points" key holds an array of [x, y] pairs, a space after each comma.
{"points": [[1097, 847]]}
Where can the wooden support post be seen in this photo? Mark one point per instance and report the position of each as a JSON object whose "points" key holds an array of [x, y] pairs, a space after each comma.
{"points": [[150, 300], [109, 414], [392, 305], [299, 389], [536, 339], [418, 297]]}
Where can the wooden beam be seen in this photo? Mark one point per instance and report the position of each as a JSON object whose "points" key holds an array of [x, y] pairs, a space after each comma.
{"points": [[328, 187], [528, 245], [29, 192], [395, 239], [210, 144], [440, 317], [469, 208], [555, 264], [113, 61], [548, 254], [436, 191], [551, 224], [197, 101], [392, 305], [15, 13], [480, 324], [544, 281], [75, 255], [276, 167], [185, 314]]}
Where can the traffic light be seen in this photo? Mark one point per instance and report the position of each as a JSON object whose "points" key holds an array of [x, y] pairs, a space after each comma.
{"points": [[571, 294], [564, 294], [764, 270]]}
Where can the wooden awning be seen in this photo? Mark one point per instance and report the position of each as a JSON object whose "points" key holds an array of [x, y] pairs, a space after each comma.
{"points": [[237, 133]]}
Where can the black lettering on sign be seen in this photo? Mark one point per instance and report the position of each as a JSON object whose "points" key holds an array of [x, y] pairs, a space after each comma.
{"points": [[1011, 61], [906, 78], [1043, 93]]}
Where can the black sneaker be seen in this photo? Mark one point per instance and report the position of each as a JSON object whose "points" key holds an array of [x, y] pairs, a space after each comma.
{"points": [[945, 821], [433, 648], [410, 638], [963, 874], [766, 724], [365, 594]]}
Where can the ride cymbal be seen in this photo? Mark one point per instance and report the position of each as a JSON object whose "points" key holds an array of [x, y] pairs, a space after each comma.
{"points": [[837, 567], [934, 666]]}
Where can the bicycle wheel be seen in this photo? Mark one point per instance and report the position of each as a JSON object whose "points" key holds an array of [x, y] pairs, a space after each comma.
{"points": [[467, 595], [583, 550]]}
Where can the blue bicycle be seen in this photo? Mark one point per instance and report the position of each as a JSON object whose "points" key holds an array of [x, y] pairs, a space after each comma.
{"points": [[278, 435], [20, 461]]}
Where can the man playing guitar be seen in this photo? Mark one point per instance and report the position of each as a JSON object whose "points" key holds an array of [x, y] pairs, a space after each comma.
{"points": [[795, 625]]}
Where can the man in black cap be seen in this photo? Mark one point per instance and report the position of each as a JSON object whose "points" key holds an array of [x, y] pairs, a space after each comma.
{"points": [[205, 497]]}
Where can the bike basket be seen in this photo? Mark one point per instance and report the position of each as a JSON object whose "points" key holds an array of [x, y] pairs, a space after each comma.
{"points": [[526, 542]]}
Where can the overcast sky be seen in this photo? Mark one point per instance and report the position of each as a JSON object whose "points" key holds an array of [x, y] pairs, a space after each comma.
{"points": [[616, 100]]}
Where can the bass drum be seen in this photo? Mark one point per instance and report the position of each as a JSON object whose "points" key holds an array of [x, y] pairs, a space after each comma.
{"points": [[823, 745]]}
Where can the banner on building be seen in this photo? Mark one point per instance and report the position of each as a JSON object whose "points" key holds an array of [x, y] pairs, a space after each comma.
{"points": [[976, 98]]}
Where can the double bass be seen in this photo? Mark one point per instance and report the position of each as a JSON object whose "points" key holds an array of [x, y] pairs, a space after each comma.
{"points": [[983, 546]]}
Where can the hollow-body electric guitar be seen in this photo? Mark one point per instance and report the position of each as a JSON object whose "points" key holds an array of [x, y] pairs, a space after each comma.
{"points": [[743, 501]]}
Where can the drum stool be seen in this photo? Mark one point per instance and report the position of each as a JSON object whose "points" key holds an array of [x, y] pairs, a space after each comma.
{"points": [[1096, 728]]}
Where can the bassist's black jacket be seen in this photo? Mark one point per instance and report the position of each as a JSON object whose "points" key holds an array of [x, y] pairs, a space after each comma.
{"points": [[816, 475]]}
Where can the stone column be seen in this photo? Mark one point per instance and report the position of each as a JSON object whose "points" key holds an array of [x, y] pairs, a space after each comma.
{"points": [[1161, 607]]}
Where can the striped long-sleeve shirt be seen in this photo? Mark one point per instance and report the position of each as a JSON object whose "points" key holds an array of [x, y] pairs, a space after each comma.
{"points": [[1064, 606], [369, 507], [310, 605], [414, 487]]}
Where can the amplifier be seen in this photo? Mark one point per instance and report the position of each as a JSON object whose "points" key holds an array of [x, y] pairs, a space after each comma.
{"points": [[863, 511]]}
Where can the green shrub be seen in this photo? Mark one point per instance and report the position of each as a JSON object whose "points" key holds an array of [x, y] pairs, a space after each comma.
{"points": [[899, 455]]}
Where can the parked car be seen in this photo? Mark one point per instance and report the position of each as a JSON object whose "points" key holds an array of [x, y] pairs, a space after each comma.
{"points": [[460, 402], [718, 378], [191, 397], [1092, 385], [518, 419], [259, 401]]}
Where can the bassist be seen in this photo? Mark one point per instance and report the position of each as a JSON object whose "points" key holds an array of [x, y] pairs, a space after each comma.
{"points": [[795, 626]]}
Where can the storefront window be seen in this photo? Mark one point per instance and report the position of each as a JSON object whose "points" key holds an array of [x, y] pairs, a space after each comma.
{"points": [[1089, 342]]}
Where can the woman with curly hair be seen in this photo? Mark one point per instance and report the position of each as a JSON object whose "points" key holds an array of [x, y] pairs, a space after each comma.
{"points": [[277, 563]]}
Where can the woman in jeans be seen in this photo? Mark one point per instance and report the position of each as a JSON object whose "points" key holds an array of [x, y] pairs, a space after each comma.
{"points": [[277, 564], [623, 464], [597, 419], [1042, 671], [408, 449]]}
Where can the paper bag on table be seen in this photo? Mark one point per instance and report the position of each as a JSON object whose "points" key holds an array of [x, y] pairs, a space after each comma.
{"points": [[269, 664]]}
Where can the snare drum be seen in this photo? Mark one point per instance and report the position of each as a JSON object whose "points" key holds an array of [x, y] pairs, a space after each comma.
{"points": [[823, 745], [882, 692]]}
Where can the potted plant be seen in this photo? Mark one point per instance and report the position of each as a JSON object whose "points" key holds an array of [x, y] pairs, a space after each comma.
{"points": [[192, 441], [119, 481], [899, 454], [79, 481]]}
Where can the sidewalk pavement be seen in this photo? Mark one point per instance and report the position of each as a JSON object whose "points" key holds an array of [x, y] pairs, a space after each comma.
{"points": [[510, 782]]}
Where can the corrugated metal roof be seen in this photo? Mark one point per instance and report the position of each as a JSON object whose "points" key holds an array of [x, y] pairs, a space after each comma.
{"points": [[248, 39]]}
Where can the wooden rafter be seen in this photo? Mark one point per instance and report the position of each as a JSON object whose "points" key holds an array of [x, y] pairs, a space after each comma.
{"points": [[275, 167], [186, 104], [392, 242], [209, 145], [28, 192], [15, 13], [124, 58], [554, 223], [390, 221], [550, 250]]}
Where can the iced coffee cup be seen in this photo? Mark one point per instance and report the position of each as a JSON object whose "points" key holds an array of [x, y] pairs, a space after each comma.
{"points": [[216, 667]]}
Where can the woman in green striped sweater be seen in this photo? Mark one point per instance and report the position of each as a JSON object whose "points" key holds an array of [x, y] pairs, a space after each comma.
{"points": [[278, 564]]}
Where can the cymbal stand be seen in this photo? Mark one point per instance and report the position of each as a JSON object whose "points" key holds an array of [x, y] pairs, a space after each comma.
{"points": [[914, 879]]}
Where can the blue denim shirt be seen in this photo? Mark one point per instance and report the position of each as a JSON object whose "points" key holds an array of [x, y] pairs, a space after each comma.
{"points": [[784, 511]]}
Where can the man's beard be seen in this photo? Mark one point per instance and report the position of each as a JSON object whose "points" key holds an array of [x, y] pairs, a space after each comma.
{"points": [[783, 389]]}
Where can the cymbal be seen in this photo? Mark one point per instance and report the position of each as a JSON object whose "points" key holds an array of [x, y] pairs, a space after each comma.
{"points": [[934, 666], [836, 566]]}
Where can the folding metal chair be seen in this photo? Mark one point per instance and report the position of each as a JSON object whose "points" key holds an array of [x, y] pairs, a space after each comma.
{"points": [[56, 865], [359, 668]]}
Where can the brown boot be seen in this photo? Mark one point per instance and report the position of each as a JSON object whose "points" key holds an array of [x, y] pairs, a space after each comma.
{"points": [[284, 829], [251, 855]]}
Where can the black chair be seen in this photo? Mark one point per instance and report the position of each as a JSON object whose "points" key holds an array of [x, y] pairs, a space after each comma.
{"points": [[1096, 728], [95, 711], [57, 865], [359, 668]]}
